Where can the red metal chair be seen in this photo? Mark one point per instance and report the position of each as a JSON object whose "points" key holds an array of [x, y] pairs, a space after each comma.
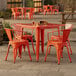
{"points": [[56, 37], [60, 43], [16, 43], [16, 13], [45, 9], [30, 13], [56, 9], [26, 36], [40, 10], [51, 8]]}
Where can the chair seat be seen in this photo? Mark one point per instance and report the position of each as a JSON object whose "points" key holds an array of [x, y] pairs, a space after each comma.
{"points": [[26, 36], [18, 41], [55, 42], [55, 37]]}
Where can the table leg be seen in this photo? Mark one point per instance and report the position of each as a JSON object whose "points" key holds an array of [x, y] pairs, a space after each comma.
{"points": [[37, 43], [42, 40], [51, 10], [63, 19], [58, 31]]}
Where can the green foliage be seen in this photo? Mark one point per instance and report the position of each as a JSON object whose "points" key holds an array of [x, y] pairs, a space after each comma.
{"points": [[5, 14], [1, 14], [5, 25]]}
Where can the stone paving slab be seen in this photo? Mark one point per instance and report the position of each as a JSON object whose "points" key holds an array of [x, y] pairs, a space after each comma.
{"points": [[24, 67]]}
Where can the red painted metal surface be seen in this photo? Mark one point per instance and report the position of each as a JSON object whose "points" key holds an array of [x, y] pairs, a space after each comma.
{"points": [[40, 30], [59, 42], [16, 43]]}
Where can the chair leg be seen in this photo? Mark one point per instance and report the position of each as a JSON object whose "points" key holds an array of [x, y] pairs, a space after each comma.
{"points": [[58, 56], [25, 16], [57, 11], [7, 52], [49, 50], [22, 16], [46, 53], [14, 54], [24, 46], [29, 16], [58, 49], [61, 52], [20, 51], [53, 12], [14, 17], [68, 53], [44, 12], [70, 47], [32, 44], [29, 51], [32, 16]]}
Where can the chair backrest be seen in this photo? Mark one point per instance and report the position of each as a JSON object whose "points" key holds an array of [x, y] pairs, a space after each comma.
{"points": [[16, 27], [12, 9], [24, 10], [50, 7], [16, 9], [66, 32], [32, 10], [45, 7], [57, 28], [19, 9], [8, 32], [21, 32]]}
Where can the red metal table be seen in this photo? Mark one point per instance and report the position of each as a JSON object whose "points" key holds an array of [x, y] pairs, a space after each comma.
{"points": [[39, 30]]}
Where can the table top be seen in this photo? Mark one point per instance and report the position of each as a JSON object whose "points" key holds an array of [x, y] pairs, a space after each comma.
{"points": [[47, 26]]}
